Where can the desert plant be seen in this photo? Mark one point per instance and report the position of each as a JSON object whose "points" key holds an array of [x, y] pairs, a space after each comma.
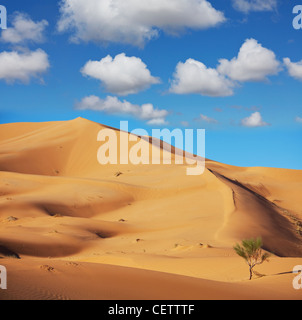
{"points": [[252, 253]]}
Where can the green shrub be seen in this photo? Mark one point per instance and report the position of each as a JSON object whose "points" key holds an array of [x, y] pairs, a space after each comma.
{"points": [[251, 252]]}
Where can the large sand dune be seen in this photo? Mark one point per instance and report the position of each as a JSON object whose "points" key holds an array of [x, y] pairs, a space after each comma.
{"points": [[137, 231]]}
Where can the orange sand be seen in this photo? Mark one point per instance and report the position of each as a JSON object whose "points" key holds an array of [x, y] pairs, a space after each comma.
{"points": [[83, 231]]}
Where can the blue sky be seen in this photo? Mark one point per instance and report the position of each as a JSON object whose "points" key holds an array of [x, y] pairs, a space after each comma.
{"points": [[158, 64]]}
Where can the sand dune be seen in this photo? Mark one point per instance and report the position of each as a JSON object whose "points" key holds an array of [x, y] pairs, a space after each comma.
{"points": [[125, 228]]}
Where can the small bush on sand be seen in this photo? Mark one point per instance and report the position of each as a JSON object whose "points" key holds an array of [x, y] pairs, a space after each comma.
{"points": [[251, 252]]}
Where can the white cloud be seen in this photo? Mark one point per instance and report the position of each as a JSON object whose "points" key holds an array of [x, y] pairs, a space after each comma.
{"points": [[253, 63], [294, 68], [254, 5], [112, 105], [194, 77], [299, 119], [122, 75], [134, 21], [184, 123], [24, 30], [255, 120], [22, 66], [208, 119]]}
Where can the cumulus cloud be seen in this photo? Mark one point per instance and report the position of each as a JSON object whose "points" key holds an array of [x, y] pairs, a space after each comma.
{"points": [[299, 119], [247, 6], [294, 68], [24, 30], [134, 21], [253, 121], [15, 66], [194, 77], [253, 63], [122, 75], [112, 105]]}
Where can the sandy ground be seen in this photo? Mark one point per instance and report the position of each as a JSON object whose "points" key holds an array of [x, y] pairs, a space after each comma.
{"points": [[71, 228]]}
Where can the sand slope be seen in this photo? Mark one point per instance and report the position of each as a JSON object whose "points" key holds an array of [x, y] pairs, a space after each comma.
{"points": [[145, 223]]}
